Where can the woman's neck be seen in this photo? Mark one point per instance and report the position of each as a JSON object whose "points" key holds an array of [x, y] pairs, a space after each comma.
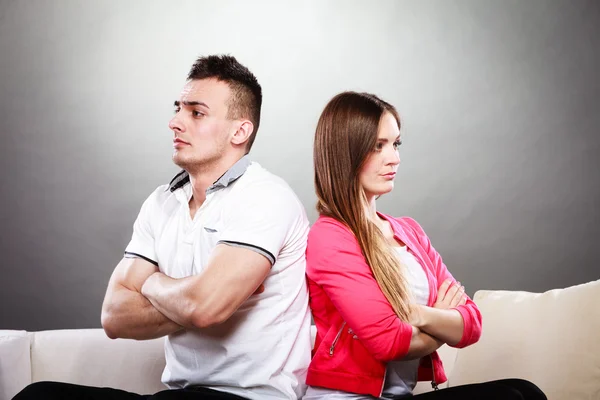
{"points": [[371, 209]]}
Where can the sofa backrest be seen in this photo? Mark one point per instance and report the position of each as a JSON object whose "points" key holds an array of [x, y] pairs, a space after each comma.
{"points": [[551, 339]]}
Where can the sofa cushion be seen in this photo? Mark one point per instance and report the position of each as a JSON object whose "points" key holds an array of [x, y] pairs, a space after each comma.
{"points": [[551, 339], [15, 363], [89, 357]]}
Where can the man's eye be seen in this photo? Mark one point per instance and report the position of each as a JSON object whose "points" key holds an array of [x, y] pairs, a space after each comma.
{"points": [[176, 110], [197, 113]]}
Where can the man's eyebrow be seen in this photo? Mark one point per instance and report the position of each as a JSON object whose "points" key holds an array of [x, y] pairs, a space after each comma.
{"points": [[177, 103]]}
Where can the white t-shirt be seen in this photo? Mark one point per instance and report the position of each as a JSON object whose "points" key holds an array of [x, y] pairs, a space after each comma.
{"points": [[400, 376], [263, 350]]}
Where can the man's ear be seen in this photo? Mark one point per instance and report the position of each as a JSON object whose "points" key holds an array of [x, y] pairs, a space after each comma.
{"points": [[243, 132]]}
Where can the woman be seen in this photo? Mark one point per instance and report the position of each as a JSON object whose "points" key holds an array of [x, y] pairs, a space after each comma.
{"points": [[381, 297]]}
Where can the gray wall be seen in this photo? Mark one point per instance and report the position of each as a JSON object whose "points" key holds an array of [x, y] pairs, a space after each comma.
{"points": [[500, 102]]}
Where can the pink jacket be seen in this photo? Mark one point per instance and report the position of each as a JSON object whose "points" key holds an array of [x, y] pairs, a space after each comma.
{"points": [[358, 332]]}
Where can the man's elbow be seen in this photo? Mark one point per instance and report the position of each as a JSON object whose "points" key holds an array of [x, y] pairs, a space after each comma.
{"points": [[109, 325], [203, 318]]}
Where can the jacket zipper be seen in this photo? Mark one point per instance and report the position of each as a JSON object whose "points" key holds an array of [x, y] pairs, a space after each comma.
{"points": [[337, 337], [434, 384], [383, 384]]}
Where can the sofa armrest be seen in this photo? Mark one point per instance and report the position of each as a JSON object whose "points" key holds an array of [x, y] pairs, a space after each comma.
{"points": [[89, 357], [15, 363]]}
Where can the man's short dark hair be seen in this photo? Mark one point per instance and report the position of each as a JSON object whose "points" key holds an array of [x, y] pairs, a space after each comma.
{"points": [[246, 93]]}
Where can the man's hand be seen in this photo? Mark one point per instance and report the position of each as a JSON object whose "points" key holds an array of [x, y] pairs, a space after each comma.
{"points": [[260, 289], [450, 295]]}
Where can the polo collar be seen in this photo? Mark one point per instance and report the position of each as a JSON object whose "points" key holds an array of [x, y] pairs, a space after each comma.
{"points": [[231, 175]]}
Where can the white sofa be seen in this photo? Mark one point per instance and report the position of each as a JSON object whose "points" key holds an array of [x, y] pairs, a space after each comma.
{"points": [[551, 338]]}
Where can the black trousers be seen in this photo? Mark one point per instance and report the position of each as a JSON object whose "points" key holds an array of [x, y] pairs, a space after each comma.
{"points": [[506, 389], [59, 390]]}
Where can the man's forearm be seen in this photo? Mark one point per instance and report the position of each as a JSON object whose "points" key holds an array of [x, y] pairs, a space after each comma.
{"points": [[168, 296], [132, 316], [421, 344], [446, 325]]}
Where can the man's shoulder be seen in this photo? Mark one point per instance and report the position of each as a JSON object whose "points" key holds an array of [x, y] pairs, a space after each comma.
{"points": [[161, 194], [160, 199], [257, 174], [258, 182]]}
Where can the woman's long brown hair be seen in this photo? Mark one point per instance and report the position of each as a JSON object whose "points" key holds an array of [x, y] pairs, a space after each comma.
{"points": [[345, 137]]}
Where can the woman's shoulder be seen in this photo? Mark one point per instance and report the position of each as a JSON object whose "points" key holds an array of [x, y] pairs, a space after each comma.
{"points": [[331, 246], [405, 223], [328, 232], [328, 226]]}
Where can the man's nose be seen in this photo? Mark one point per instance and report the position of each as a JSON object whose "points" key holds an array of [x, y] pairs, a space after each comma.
{"points": [[175, 124]]}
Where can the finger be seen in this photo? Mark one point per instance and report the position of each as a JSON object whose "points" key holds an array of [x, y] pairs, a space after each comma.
{"points": [[444, 288], [460, 293], [463, 300], [455, 288]]}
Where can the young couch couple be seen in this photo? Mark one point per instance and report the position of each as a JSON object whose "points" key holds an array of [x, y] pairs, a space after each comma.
{"points": [[223, 263]]}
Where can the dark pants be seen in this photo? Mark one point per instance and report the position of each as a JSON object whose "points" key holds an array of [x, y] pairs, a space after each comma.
{"points": [[58, 390], [506, 389]]}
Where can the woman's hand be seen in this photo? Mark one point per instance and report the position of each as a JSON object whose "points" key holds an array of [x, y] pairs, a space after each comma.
{"points": [[450, 295], [441, 321], [415, 317]]}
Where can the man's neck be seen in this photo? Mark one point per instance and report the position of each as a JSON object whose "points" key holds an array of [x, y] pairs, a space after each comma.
{"points": [[203, 178]]}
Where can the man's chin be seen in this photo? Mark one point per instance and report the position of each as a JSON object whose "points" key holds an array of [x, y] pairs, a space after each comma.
{"points": [[190, 163], [180, 161]]}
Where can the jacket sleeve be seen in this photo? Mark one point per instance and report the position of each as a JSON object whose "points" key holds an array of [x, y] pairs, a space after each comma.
{"points": [[469, 311], [335, 262]]}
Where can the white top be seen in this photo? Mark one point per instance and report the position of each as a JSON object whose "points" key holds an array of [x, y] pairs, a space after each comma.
{"points": [[263, 350], [400, 376]]}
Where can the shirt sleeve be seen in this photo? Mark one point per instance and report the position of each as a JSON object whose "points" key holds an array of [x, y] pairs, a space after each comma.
{"points": [[142, 239], [262, 219]]}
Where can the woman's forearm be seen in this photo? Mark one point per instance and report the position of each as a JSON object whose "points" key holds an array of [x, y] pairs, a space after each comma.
{"points": [[446, 325], [421, 344]]}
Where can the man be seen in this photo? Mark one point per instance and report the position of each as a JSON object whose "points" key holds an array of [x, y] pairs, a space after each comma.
{"points": [[216, 261]]}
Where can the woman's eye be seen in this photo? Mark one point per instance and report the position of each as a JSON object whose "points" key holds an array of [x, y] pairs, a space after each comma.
{"points": [[397, 144], [379, 146]]}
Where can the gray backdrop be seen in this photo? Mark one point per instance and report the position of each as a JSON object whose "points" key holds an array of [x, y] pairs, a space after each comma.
{"points": [[499, 100]]}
